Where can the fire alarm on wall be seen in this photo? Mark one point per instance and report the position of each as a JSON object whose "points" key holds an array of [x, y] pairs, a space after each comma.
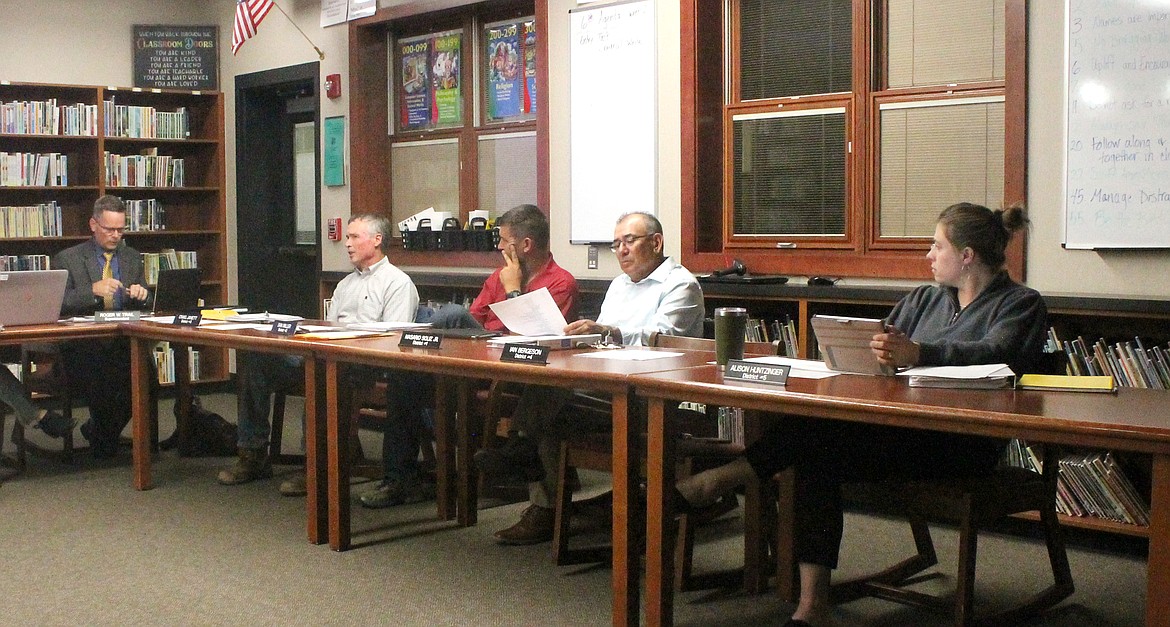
{"points": [[333, 86]]}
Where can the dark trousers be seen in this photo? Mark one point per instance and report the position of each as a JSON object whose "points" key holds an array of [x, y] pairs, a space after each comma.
{"points": [[827, 453], [409, 396], [99, 370]]}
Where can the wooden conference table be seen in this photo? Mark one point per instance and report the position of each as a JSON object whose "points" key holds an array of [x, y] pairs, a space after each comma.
{"points": [[457, 364], [57, 332], [1133, 420], [143, 335]]}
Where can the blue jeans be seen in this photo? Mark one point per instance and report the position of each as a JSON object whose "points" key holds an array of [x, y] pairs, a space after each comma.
{"points": [[409, 397], [12, 394], [261, 374]]}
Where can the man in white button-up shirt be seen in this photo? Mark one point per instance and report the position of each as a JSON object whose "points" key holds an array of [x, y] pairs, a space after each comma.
{"points": [[376, 291], [654, 293]]}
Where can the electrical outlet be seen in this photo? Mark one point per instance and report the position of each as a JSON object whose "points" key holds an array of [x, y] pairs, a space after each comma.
{"points": [[592, 258]]}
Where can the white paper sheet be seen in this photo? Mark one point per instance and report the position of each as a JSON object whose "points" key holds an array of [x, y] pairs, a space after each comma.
{"points": [[534, 313], [232, 326], [632, 354], [979, 371], [801, 368], [382, 327], [264, 317]]}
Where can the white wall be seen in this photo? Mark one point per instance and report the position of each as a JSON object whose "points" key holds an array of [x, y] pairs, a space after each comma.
{"points": [[85, 42], [669, 189], [277, 44], [68, 49], [1052, 269]]}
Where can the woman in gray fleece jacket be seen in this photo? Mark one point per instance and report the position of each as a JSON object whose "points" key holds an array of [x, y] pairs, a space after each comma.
{"points": [[975, 314]]}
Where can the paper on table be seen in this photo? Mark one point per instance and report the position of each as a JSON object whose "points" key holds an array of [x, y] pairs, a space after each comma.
{"points": [[979, 371], [534, 313], [232, 326], [264, 317], [629, 355], [386, 326], [801, 368], [337, 334]]}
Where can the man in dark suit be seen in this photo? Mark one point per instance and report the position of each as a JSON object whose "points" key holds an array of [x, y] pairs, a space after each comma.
{"points": [[104, 274]]}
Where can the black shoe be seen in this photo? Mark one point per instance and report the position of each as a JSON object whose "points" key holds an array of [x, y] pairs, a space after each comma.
{"points": [[516, 459], [55, 425], [100, 448]]}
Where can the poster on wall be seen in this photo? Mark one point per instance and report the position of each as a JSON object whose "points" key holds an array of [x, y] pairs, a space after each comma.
{"points": [[176, 57], [506, 94], [416, 83], [530, 66], [448, 98]]}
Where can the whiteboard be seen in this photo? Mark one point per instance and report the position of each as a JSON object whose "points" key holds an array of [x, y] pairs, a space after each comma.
{"points": [[1117, 132], [612, 128]]}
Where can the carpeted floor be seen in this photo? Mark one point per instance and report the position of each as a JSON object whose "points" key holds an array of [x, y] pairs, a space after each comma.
{"points": [[80, 546]]}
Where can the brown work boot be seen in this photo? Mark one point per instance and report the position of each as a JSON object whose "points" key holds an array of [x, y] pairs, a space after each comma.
{"points": [[535, 526], [252, 464]]}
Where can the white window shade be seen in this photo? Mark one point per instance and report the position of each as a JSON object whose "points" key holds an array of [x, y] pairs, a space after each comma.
{"points": [[938, 42], [507, 171], [424, 174], [936, 154]]}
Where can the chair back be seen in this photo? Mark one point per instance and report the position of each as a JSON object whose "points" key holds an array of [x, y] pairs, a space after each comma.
{"points": [[682, 342]]}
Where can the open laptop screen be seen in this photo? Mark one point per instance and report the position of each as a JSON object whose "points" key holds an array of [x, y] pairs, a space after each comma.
{"points": [[177, 291], [31, 296]]}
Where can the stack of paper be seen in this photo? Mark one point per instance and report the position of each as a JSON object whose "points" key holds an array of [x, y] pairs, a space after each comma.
{"points": [[978, 377]]}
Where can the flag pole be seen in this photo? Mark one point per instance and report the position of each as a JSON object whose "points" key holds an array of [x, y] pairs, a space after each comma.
{"points": [[320, 55]]}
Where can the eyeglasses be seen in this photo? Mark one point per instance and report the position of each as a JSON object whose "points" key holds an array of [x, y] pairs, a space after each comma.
{"points": [[110, 229], [628, 240]]}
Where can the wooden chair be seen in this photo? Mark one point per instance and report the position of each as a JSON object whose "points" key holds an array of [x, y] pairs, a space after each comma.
{"points": [[593, 452], [698, 452], [365, 405], [973, 502]]}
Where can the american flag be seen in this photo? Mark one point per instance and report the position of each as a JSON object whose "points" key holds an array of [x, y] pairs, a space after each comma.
{"points": [[249, 13]]}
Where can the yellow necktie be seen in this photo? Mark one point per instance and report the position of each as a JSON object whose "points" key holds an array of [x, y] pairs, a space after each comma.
{"points": [[108, 273]]}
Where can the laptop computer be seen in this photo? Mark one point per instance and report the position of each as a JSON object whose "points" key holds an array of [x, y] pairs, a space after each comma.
{"points": [[844, 343], [31, 296], [177, 291]]}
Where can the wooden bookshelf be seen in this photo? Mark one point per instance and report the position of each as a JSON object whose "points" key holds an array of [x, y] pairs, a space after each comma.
{"points": [[195, 212]]}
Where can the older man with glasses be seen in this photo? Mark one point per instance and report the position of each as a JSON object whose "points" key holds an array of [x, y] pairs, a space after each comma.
{"points": [[654, 293]]}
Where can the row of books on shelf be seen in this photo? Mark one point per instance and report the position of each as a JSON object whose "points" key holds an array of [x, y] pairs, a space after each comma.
{"points": [[760, 330], [147, 170], [1130, 364], [1089, 484], [164, 361], [46, 117], [25, 169], [41, 220], [167, 259], [728, 421], [145, 122], [12, 263], [145, 215]]}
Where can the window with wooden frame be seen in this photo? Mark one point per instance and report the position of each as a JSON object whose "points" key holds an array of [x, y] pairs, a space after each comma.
{"points": [[462, 132], [825, 136]]}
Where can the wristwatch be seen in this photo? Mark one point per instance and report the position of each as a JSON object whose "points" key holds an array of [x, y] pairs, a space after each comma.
{"points": [[514, 293]]}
